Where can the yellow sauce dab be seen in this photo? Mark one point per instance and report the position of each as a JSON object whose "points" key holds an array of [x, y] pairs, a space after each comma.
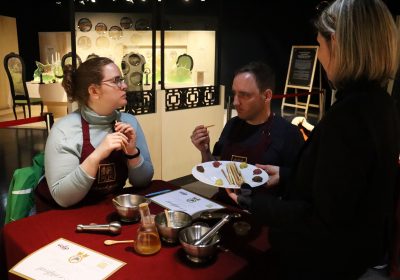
{"points": [[219, 182]]}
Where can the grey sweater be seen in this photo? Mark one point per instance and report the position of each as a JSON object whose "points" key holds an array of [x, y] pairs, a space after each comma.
{"points": [[68, 182]]}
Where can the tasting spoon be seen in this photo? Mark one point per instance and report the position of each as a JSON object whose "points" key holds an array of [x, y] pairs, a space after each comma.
{"points": [[116, 202], [112, 242]]}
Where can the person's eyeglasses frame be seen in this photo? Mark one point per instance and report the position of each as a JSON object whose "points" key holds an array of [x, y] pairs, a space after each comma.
{"points": [[117, 81]]}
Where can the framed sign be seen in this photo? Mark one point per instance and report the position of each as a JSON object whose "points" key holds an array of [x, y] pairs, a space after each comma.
{"points": [[302, 64], [303, 60]]}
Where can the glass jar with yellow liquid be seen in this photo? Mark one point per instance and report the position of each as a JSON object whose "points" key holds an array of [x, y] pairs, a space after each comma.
{"points": [[147, 239]]}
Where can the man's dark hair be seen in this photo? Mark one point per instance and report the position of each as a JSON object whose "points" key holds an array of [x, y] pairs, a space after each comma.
{"points": [[263, 74]]}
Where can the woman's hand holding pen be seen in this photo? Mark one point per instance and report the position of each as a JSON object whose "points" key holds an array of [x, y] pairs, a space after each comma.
{"points": [[112, 141], [128, 146]]}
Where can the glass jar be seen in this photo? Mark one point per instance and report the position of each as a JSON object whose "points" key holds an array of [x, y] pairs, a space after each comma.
{"points": [[147, 239]]}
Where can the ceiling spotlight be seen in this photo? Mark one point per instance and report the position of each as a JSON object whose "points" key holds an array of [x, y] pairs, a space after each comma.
{"points": [[82, 2], [130, 1], [93, 1], [58, 2]]}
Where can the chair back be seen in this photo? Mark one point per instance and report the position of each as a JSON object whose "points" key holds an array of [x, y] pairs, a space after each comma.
{"points": [[185, 61], [67, 60], [15, 69], [132, 66]]}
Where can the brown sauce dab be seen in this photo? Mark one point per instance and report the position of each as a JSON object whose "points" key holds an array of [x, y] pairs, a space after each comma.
{"points": [[200, 168], [257, 179]]}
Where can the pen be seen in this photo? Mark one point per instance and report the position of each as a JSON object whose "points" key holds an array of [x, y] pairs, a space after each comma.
{"points": [[156, 193]]}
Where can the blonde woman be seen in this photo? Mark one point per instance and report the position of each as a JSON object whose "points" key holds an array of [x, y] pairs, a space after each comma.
{"points": [[336, 219]]}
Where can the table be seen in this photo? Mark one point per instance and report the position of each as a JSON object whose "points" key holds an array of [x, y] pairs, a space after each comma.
{"points": [[27, 235], [53, 96]]}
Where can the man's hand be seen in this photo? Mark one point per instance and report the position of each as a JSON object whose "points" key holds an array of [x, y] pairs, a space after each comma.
{"points": [[200, 138], [233, 194]]}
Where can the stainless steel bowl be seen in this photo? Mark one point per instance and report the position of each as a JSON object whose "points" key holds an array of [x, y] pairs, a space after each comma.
{"points": [[201, 253], [127, 206], [178, 220]]}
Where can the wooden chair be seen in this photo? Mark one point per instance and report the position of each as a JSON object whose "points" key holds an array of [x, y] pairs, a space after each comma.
{"points": [[185, 60], [15, 69], [67, 60]]}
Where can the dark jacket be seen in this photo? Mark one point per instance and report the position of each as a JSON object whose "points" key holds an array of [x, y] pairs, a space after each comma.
{"points": [[336, 217]]}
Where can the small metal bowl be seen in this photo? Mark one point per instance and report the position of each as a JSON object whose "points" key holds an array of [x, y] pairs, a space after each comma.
{"points": [[127, 206], [178, 220], [201, 253]]}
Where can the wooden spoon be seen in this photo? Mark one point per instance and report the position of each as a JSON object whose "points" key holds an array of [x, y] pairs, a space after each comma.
{"points": [[116, 202], [167, 218], [112, 242]]}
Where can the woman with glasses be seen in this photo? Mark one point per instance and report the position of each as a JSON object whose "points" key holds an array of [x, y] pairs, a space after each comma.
{"points": [[91, 152], [336, 219]]}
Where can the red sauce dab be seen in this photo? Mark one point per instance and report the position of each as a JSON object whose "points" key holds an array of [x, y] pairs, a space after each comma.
{"points": [[257, 171], [216, 164]]}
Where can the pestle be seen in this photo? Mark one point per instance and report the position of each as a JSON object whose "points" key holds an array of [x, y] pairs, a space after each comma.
{"points": [[113, 227], [209, 234]]}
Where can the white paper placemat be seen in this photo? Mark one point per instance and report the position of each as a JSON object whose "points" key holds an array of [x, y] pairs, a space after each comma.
{"points": [[185, 201], [63, 259]]}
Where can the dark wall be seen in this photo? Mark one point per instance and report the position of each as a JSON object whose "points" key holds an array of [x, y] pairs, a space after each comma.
{"points": [[33, 17], [263, 30], [248, 30]]}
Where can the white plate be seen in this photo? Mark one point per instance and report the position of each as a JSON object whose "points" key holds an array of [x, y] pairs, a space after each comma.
{"points": [[211, 174]]}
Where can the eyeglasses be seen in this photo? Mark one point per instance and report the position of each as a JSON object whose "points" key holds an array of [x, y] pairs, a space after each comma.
{"points": [[117, 81]]}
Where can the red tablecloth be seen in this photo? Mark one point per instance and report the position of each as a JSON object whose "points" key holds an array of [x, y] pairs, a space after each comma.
{"points": [[27, 235]]}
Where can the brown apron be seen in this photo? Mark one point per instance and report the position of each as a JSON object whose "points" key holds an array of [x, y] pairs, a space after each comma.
{"points": [[246, 152], [250, 153], [110, 178]]}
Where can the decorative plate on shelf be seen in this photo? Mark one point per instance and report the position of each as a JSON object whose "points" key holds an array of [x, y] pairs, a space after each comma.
{"points": [[227, 174], [102, 42], [101, 28], [115, 32], [126, 22], [84, 42], [84, 25], [142, 24]]}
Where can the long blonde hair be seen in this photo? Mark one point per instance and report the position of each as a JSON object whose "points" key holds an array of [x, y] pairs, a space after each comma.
{"points": [[367, 43]]}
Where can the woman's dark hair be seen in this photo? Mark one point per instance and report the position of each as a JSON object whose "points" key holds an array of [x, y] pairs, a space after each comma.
{"points": [[263, 74], [76, 83]]}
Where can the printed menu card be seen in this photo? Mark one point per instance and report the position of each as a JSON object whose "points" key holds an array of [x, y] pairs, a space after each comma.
{"points": [[185, 201], [63, 259]]}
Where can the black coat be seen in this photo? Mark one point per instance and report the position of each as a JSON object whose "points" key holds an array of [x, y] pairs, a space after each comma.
{"points": [[336, 217]]}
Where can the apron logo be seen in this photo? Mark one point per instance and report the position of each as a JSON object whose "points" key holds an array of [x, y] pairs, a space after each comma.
{"points": [[238, 158], [107, 173]]}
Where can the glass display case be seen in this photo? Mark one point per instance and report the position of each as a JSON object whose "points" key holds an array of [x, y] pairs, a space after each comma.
{"points": [[189, 55]]}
